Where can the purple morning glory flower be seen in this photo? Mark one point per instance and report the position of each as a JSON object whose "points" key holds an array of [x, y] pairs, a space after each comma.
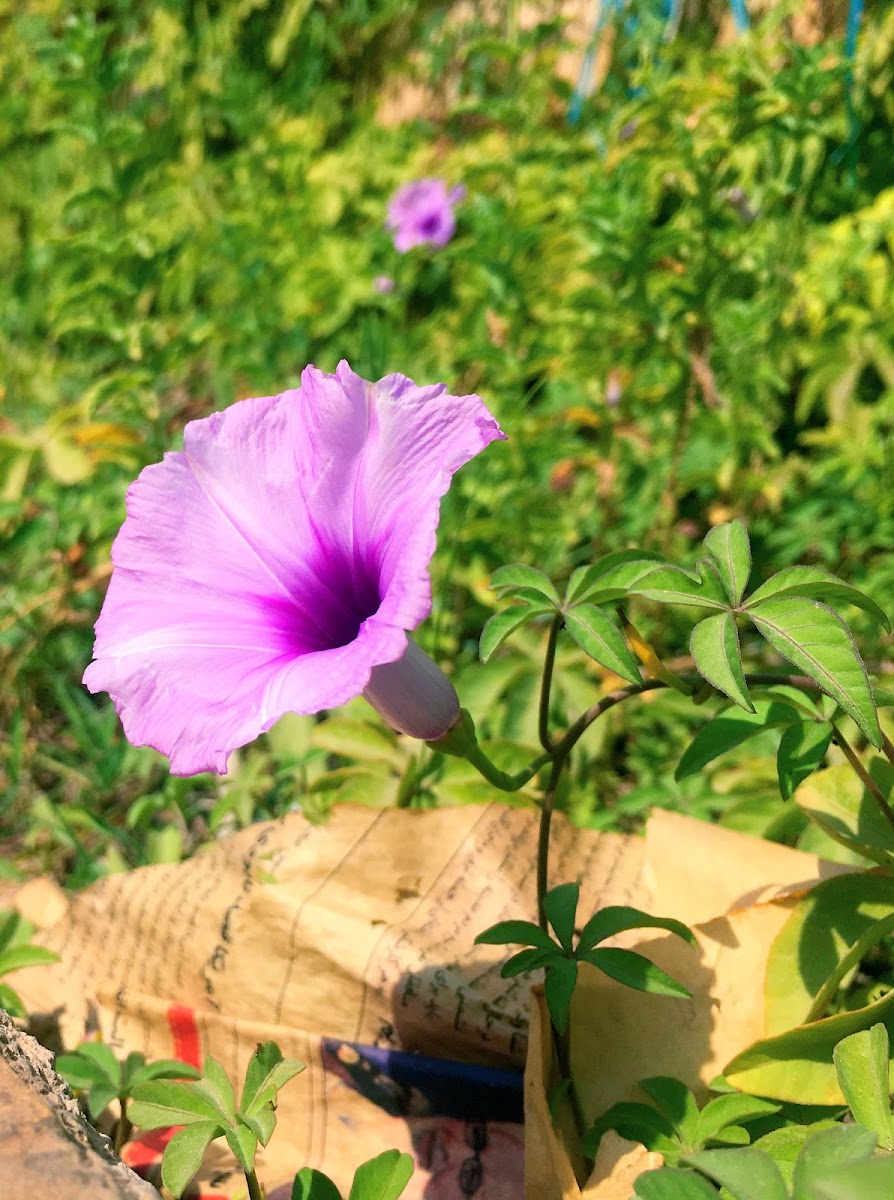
{"points": [[421, 213], [276, 564]]}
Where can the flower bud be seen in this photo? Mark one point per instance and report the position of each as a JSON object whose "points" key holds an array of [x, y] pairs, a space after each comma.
{"points": [[413, 695]]}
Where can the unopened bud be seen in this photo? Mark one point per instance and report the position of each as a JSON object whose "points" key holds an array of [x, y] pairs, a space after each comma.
{"points": [[413, 695]]}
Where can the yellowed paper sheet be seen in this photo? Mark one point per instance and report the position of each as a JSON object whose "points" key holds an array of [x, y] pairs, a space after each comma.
{"points": [[360, 931]]}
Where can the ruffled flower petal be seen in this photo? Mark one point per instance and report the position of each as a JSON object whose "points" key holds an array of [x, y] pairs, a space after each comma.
{"points": [[278, 560]]}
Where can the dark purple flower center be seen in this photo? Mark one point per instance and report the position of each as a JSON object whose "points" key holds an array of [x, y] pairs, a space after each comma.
{"points": [[430, 225], [340, 594]]}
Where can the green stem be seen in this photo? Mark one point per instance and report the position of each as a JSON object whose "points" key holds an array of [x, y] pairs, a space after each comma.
{"points": [[546, 817], [562, 1044], [254, 1188], [865, 778], [546, 684]]}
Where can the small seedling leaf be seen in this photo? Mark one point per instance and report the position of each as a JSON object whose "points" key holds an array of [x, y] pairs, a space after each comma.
{"points": [[184, 1153], [311, 1184], [668, 1183], [163, 1102], [747, 1174], [519, 933], [561, 977], [560, 906], [244, 1144], [528, 960], [636, 1122], [634, 971], [383, 1177], [267, 1072], [616, 918]]}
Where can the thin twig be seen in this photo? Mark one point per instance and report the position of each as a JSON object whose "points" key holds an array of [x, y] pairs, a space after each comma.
{"points": [[549, 663], [865, 778]]}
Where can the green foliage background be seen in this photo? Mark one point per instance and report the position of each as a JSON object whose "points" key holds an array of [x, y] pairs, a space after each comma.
{"points": [[680, 308]]}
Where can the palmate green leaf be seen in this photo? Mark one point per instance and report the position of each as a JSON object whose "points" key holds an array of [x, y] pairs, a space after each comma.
{"points": [[818, 642], [515, 575], [862, 1062], [732, 728], [503, 624], [672, 1183], [382, 1178], [600, 637], [715, 649], [802, 748], [184, 1153], [521, 933], [311, 1184], [636, 1122], [558, 987], [634, 971], [560, 906], [262, 1122], [615, 572], [103, 1057], [730, 1110], [675, 1102], [747, 1174], [673, 585], [164, 1068], [616, 918], [161, 1103], [528, 960], [267, 1072], [814, 584], [729, 548], [79, 1072]]}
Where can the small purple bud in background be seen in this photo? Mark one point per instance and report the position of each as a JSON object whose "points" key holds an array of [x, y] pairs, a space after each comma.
{"points": [[421, 213], [383, 284], [614, 388], [627, 131]]}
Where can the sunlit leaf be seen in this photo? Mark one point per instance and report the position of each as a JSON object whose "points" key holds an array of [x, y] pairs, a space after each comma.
{"points": [[730, 551], [814, 584], [599, 636], [818, 642], [714, 646]]}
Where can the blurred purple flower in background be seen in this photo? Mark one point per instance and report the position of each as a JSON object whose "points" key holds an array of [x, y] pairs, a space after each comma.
{"points": [[421, 213], [383, 284], [276, 564]]}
